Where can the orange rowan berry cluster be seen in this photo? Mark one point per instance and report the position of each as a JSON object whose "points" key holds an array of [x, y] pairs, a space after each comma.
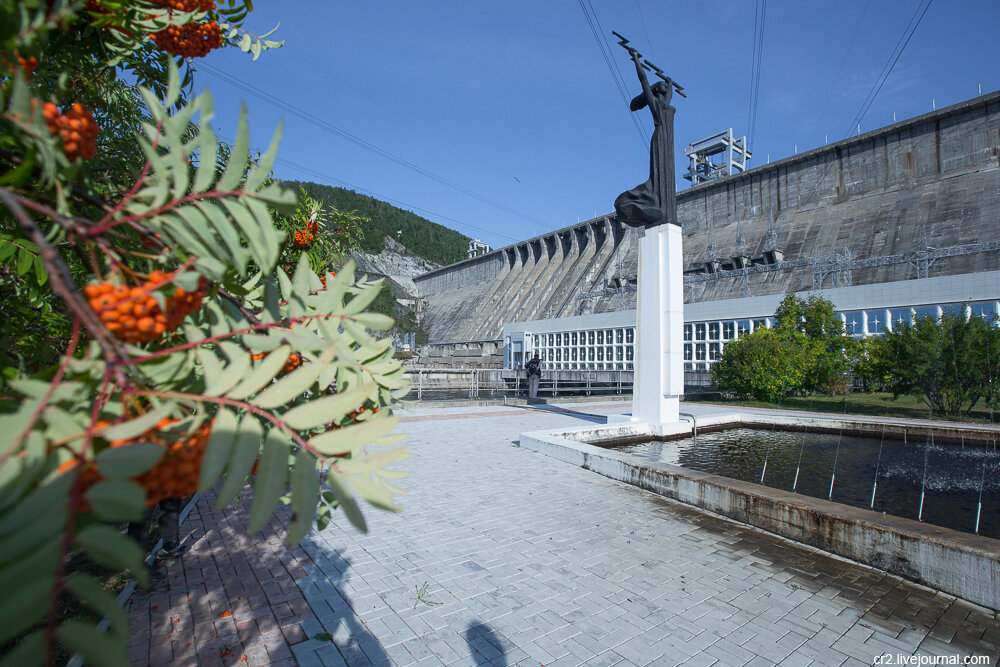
{"points": [[306, 236], [294, 361], [191, 40], [29, 65], [134, 316], [188, 5], [76, 127], [175, 475]]}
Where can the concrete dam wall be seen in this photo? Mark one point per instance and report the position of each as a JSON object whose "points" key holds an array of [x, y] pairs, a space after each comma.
{"points": [[916, 199]]}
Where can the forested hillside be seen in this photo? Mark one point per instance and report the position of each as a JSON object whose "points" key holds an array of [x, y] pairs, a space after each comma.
{"points": [[422, 237]]}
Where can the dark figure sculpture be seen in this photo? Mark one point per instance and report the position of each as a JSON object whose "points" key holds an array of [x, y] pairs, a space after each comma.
{"points": [[654, 201]]}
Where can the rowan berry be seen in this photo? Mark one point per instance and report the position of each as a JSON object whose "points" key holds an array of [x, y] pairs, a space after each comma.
{"points": [[133, 315], [76, 128], [190, 40]]}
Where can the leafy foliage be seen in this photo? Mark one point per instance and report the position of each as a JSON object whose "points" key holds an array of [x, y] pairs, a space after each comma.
{"points": [[805, 351], [821, 332], [422, 237], [266, 374], [763, 365], [948, 361]]}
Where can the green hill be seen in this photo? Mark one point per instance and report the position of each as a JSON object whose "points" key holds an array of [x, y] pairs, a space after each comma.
{"points": [[422, 237]]}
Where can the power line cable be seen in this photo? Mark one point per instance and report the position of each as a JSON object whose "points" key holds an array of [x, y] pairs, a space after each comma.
{"points": [[372, 98], [395, 202], [755, 66], [608, 60], [840, 71], [888, 67], [343, 134]]}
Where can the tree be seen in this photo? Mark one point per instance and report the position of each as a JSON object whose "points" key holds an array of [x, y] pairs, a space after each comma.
{"points": [[766, 365], [822, 335], [943, 360], [185, 354]]}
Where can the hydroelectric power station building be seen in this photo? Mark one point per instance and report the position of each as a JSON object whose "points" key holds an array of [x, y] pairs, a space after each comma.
{"points": [[891, 224]]}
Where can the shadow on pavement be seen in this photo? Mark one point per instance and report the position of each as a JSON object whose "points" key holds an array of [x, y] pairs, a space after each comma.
{"points": [[337, 634], [486, 645], [586, 416]]}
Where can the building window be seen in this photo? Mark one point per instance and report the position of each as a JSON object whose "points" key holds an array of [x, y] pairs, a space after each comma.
{"points": [[590, 354], [688, 329], [629, 353], [987, 310], [925, 311], [854, 323], [619, 353], [759, 324], [689, 367], [956, 308], [558, 354], [558, 339], [876, 321], [630, 335], [900, 316], [600, 354], [590, 337], [619, 336], [713, 330], [699, 331], [702, 367], [688, 351], [574, 354], [699, 352], [600, 337], [714, 351], [743, 327], [572, 338], [728, 330]]}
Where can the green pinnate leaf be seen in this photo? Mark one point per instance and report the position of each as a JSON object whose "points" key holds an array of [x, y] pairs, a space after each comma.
{"points": [[129, 460], [98, 648], [305, 494], [338, 485], [323, 410], [241, 460], [25, 605], [237, 165], [265, 371], [87, 589], [139, 425], [351, 438], [217, 451], [117, 500], [106, 545], [270, 481]]}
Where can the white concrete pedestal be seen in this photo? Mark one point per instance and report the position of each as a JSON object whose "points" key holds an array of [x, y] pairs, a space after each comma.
{"points": [[659, 345]]}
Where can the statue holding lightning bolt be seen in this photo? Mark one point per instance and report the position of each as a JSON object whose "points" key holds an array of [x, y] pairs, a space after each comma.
{"points": [[655, 201]]}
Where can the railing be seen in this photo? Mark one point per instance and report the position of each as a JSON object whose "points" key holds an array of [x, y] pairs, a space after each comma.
{"points": [[484, 383]]}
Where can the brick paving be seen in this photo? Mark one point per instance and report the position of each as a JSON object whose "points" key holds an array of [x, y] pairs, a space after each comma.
{"points": [[503, 556]]}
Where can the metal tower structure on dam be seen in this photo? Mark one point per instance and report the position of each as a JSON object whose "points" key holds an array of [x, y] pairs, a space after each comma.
{"points": [[916, 200]]}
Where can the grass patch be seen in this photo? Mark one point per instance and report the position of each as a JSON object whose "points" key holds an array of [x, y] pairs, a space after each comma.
{"points": [[876, 404]]}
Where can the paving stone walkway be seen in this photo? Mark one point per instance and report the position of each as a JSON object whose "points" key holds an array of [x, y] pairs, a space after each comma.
{"points": [[503, 556]]}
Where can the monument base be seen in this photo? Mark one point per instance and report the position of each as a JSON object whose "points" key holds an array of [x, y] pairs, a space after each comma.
{"points": [[659, 344]]}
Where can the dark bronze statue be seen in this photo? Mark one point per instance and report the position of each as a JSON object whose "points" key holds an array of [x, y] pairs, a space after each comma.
{"points": [[655, 201]]}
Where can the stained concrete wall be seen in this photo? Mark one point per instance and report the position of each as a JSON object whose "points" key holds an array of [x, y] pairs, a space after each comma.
{"points": [[931, 181]]}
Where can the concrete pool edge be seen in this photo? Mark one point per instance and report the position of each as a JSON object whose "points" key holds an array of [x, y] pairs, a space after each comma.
{"points": [[961, 564]]}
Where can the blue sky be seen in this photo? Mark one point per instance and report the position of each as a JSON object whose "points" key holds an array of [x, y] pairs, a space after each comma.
{"points": [[509, 123]]}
